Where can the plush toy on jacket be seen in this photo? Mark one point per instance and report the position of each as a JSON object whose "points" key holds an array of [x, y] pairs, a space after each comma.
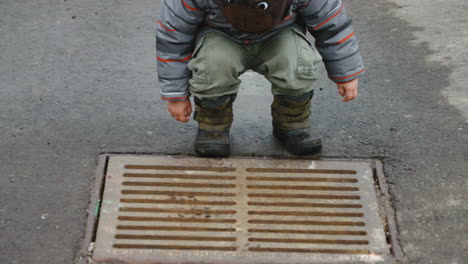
{"points": [[203, 46]]}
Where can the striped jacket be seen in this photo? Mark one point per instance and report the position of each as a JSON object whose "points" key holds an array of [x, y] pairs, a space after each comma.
{"points": [[181, 22]]}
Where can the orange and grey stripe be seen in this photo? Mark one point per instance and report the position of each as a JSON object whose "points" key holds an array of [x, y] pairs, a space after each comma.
{"points": [[345, 38], [349, 76], [189, 7], [175, 98], [163, 26], [330, 18], [179, 60]]}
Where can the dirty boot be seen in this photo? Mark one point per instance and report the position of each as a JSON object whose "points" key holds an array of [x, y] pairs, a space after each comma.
{"points": [[291, 124], [214, 116]]}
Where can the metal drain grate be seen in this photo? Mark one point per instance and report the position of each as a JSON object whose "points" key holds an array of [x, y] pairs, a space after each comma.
{"points": [[192, 210]]}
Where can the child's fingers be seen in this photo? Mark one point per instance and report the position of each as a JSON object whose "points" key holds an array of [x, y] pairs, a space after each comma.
{"points": [[177, 116], [341, 90], [348, 90], [189, 110], [350, 95], [182, 118]]}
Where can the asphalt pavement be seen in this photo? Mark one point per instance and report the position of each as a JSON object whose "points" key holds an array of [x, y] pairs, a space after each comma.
{"points": [[78, 78]]}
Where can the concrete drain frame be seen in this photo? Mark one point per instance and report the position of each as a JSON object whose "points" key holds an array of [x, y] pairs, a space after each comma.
{"points": [[250, 226]]}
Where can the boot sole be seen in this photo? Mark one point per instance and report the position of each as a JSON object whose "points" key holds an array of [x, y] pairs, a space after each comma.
{"points": [[212, 150], [310, 149]]}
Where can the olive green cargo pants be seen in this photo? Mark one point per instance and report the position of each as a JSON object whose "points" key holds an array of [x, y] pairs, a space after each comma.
{"points": [[286, 59]]}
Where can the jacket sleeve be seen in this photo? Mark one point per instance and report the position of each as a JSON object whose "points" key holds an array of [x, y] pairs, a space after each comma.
{"points": [[175, 35], [335, 39]]}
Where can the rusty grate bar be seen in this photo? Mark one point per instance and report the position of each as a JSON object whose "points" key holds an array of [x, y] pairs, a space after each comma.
{"points": [[194, 210]]}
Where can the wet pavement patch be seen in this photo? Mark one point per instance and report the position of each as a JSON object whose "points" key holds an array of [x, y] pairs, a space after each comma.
{"points": [[169, 209]]}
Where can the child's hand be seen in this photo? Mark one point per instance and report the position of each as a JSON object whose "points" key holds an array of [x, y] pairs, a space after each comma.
{"points": [[349, 90], [180, 110]]}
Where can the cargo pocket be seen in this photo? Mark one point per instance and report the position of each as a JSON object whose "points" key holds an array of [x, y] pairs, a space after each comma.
{"points": [[307, 58], [198, 65]]}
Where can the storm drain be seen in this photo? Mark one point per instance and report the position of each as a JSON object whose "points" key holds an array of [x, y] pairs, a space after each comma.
{"points": [[158, 209]]}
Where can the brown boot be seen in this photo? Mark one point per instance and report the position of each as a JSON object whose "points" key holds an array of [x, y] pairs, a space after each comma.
{"points": [[214, 116], [291, 124]]}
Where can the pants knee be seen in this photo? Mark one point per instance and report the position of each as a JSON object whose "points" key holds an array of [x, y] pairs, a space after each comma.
{"points": [[216, 57], [215, 66]]}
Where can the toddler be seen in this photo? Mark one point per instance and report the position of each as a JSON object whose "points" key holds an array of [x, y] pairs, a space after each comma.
{"points": [[203, 46]]}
